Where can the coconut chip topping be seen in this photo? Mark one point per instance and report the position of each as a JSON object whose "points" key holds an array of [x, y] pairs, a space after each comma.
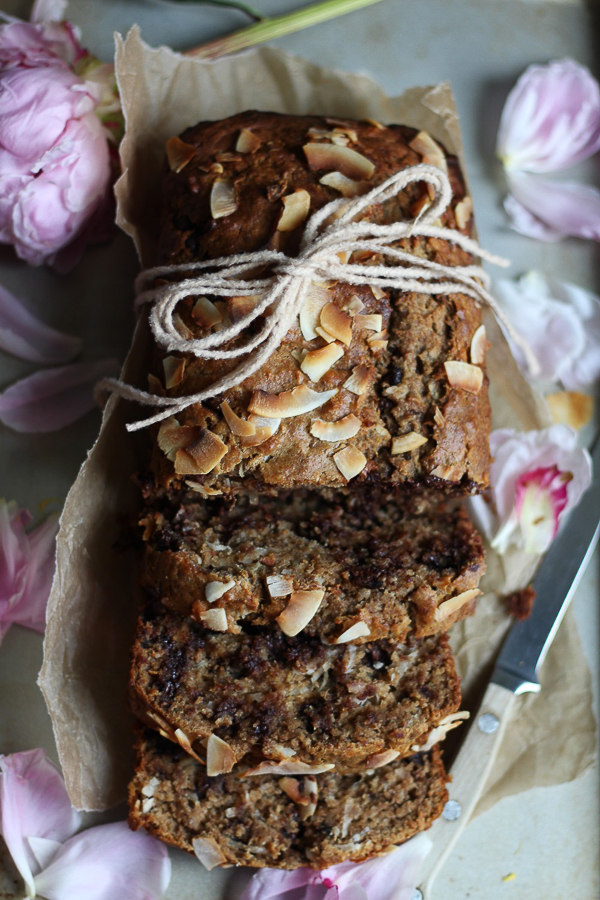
{"points": [[215, 619], [214, 590], [174, 368], [220, 758], [208, 852], [178, 153], [201, 455], [301, 608], [336, 323], [287, 767], [296, 207], [377, 760], [205, 313], [479, 346], [238, 426], [406, 442], [278, 586], [339, 159], [247, 141], [300, 400], [440, 731], [448, 607], [222, 199], [350, 462], [342, 430], [358, 630], [317, 362], [359, 381], [464, 375]]}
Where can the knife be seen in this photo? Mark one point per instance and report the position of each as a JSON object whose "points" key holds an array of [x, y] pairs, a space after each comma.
{"points": [[516, 672]]}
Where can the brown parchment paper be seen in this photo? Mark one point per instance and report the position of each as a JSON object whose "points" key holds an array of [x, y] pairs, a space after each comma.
{"points": [[92, 606]]}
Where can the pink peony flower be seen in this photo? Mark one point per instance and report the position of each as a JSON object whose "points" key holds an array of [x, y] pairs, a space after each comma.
{"points": [[390, 877], [561, 322], [537, 478], [55, 172], [38, 825], [551, 121], [26, 568]]}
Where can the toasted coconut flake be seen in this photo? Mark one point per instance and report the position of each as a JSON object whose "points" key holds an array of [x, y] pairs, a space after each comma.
{"points": [[439, 418], [215, 619], [181, 327], [377, 760], [172, 437], [354, 305], [343, 256], [200, 456], [350, 462], [298, 354], [328, 338], [222, 199], [163, 727], [288, 767], [178, 153], [358, 630], [311, 791], [430, 151], [346, 186], [238, 426], [291, 787], [295, 210], [239, 307], [301, 608], [376, 124], [378, 341], [214, 590], [358, 382], [464, 375], [371, 322], [337, 323], [247, 141], [174, 367], [150, 787], [223, 309], [479, 346], [342, 430], [339, 159], [571, 408], [448, 473], [155, 385], [440, 731], [317, 362], [184, 742], [316, 298], [203, 489], [220, 758], [406, 442], [463, 212], [378, 292], [208, 852], [205, 313], [448, 607], [265, 429], [278, 586], [296, 402], [147, 804], [216, 168]]}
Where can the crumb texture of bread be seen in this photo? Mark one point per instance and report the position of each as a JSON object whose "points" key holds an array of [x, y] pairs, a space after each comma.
{"points": [[254, 822], [393, 344]]}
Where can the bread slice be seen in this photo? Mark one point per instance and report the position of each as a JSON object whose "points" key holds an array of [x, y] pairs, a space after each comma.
{"points": [[398, 565], [254, 820], [270, 696]]}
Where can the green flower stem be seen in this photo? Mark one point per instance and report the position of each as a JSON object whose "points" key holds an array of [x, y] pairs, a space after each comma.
{"points": [[269, 29]]}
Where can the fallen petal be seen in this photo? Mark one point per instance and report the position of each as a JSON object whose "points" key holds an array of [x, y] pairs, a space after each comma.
{"points": [[22, 334], [33, 803], [559, 208], [53, 398], [105, 863]]}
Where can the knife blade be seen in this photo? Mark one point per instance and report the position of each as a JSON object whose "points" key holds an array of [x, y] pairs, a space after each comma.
{"points": [[516, 672]]}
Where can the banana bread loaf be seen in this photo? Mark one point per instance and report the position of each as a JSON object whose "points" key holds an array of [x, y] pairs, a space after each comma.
{"points": [[284, 822], [402, 376]]}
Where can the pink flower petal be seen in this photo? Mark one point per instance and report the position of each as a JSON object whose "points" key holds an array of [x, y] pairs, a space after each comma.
{"points": [[53, 398], [33, 803], [48, 11], [556, 209], [390, 877], [23, 334], [518, 459], [551, 119], [108, 862], [540, 497]]}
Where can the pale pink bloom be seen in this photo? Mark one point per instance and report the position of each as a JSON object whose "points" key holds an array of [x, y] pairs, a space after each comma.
{"points": [[53, 398], [390, 877], [23, 334], [54, 159], [38, 823], [537, 478], [550, 210], [26, 568], [551, 121], [551, 118], [561, 323]]}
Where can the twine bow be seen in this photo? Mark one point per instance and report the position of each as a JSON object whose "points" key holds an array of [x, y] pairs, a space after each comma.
{"points": [[329, 232]]}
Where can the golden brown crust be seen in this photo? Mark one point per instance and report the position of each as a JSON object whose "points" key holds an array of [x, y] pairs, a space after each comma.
{"points": [[253, 821], [408, 387]]}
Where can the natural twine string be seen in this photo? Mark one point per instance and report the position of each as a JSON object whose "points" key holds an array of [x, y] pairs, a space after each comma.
{"points": [[289, 279]]}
